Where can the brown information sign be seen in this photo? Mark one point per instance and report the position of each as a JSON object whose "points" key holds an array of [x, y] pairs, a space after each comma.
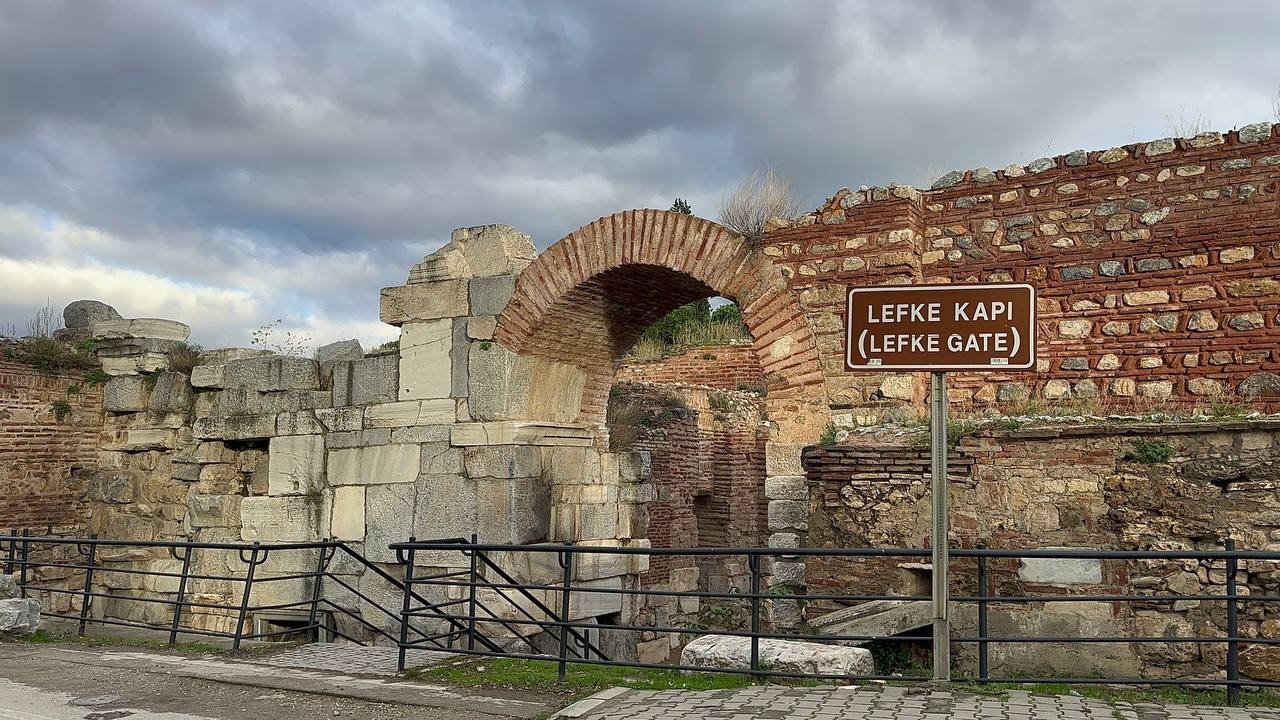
{"points": [[940, 328]]}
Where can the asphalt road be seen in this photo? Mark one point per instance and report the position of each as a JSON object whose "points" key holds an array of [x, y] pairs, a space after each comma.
{"points": [[39, 682]]}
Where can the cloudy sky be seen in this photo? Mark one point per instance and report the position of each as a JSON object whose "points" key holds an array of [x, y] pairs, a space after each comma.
{"points": [[229, 163]]}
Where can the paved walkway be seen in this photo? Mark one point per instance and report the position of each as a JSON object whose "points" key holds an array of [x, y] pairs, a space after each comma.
{"points": [[889, 703]]}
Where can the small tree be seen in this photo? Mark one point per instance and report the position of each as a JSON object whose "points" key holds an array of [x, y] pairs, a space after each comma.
{"points": [[747, 208], [682, 207]]}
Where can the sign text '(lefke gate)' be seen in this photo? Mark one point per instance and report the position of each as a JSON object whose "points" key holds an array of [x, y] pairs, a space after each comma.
{"points": [[941, 327]]}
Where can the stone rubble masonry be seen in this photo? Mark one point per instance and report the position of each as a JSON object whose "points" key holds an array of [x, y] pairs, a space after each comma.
{"points": [[1071, 487]]}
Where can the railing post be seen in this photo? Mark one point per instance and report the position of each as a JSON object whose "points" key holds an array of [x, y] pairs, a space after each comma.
{"points": [[983, 654], [753, 563], [248, 588], [25, 554], [566, 564], [471, 595], [1233, 627], [10, 552], [182, 593], [85, 599], [405, 603], [322, 561]]}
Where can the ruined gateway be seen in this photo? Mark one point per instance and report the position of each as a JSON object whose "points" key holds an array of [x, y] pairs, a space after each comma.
{"points": [[1157, 267]]}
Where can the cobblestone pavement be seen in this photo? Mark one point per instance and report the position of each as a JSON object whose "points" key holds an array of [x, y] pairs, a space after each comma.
{"points": [[348, 658], [891, 703]]}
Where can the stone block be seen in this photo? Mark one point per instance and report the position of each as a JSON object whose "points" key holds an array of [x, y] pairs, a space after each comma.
{"points": [[447, 507], [378, 464], [113, 485], [81, 314], [248, 427], [153, 328], [239, 401], [521, 432], [788, 656], [358, 439], [125, 393], [502, 461], [269, 374], [340, 350], [205, 511], [421, 434], [633, 467], [294, 400], [489, 375], [788, 515], [171, 393], [783, 459], [347, 518], [207, 376], [296, 465], [786, 487], [1061, 571], [494, 249], [426, 369], [481, 327], [147, 362], [388, 519], [515, 510], [19, 617], [342, 419], [788, 573], [423, 301], [303, 422], [598, 521], [490, 295], [458, 360], [142, 439], [278, 519], [440, 458], [411, 412], [369, 381]]}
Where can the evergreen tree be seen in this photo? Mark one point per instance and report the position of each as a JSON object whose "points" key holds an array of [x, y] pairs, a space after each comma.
{"points": [[681, 206]]}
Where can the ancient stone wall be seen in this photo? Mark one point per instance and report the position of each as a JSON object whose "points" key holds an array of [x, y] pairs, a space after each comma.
{"points": [[1155, 264], [728, 367], [49, 428], [1182, 486]]}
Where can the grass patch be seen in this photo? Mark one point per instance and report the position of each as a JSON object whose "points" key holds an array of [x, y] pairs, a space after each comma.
{"points": [[520, 674], [49, 357], [1149, 452], [183, 648]]}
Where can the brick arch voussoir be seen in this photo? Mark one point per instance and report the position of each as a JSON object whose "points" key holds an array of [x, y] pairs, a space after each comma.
{"points": [[694, 247]]}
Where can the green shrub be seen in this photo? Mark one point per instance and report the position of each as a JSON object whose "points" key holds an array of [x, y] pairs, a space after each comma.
{"points": [[828, 436], [1150, 452], [96, 376], [61, 409]]}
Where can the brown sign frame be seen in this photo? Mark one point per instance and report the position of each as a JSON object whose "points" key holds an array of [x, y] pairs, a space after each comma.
{"points": [[1029, 330]]}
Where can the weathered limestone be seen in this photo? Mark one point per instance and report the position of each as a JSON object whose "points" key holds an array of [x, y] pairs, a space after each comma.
{"points": [[19, 616], [347, 516], [370, 381], [171, 393], [297, 465], [154, 328], [877, 618], [423, 301], [125, 393], [279, 519], [81, 314], [378, 464], [732, 652], [269, 374], [410, 412], [425, 360], [1061, 571]]}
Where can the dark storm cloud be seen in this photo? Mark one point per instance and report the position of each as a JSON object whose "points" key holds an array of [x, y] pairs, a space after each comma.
{"points": [[242, 146]]}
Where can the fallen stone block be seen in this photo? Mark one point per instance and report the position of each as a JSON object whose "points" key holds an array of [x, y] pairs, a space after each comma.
{"points": [[139, 328], [19, 616], [732, 652], [876, 618]]}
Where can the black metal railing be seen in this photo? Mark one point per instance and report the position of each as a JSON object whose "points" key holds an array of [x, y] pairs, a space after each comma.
{"points": [[566, 638], [71, 575]]}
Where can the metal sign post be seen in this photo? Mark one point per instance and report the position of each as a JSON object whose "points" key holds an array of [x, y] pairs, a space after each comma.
{"points": [[940, 329], [938, 489]]}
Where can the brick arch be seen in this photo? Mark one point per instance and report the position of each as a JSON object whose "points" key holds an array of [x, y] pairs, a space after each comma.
{"points": [[587, 299]]}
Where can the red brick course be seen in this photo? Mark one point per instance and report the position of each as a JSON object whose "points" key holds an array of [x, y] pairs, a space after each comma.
{"points": [[728, 367], [40, 456]]}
